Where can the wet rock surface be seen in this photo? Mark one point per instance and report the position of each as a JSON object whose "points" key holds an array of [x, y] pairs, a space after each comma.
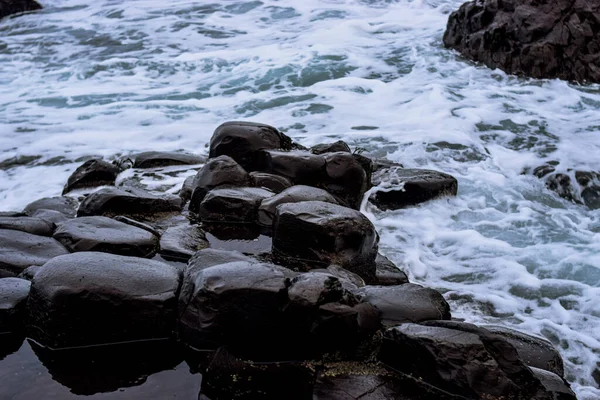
{"points": [[236, 205], [95, 298], [115, 201], [300, 167], [33, 225], [274, 183], [64, 205], [401, 187], [539, 39], [19, 250], [155, 159], [387, 273], [92, 173], [345, 178], [580, 187], [180, 243], [13, 297], [106, 235], [334, 147], [10, 7]]}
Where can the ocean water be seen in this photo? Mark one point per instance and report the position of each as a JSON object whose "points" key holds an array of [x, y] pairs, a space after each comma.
{"points": [[103, 78]]}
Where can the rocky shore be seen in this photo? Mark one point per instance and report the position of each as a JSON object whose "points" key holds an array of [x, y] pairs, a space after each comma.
{"points": [[260, 272]]}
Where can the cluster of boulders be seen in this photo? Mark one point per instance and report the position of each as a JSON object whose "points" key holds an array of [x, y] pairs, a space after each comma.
{"points": [[114, 271], [535, 38], [10, 7]]}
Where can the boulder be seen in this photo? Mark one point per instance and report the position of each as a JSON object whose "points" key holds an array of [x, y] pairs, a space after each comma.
{"points": [[334, 147], [235, 205], [345, 178], [387, 273], [349, 280], [325, 233], [536, 38], [13, 298], [400, 187], [64, 205], [180, 243], [222, 171], [300, 167], [115, 201], [243, 141], [33, 225], [11, 7], [92, 173], [91, 298], [554, 385], [294, 194], [106, 235], [535, 351], [51, 216], [154, 159], [137, 224], [274, 183], [405, 303], [19, 250], [187, 188]]}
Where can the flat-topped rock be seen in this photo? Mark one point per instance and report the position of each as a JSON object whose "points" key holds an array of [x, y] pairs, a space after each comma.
{"points": [[234, 205], [90, 174], [294, 194], [19, 250], [300, 167], [400, 187], [106, 235], [244, 140], [180, 243], [13, 297], [274, 183], [118, 201], [326, 233], [64, 204], [92, 298], [155, 159], [33, 225]]}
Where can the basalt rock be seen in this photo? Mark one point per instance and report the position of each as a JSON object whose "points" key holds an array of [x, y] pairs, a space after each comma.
{"points": [[274, 183], [345, 178], [536, 38], [13, 298], [92, 173], [117, 201], [64, 205], [387, 273], [405, 303], [91, 298], [334, 147], [222, 171], [325, 233], [581, 187], [51, 216], [19, 250], [10, 7], [300, 167], [407, 187], [235, 205], [29, 272], [106, 235], [154, 159], [187, 188], [294, 194], [243, 141], [33, 225], [180, 243]]}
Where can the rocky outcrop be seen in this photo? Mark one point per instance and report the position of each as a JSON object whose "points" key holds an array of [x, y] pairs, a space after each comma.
{"points": [[535, 38], [10, 7]]}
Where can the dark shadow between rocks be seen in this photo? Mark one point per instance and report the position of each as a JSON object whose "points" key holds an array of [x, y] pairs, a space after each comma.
{"points": [[10, 343]]}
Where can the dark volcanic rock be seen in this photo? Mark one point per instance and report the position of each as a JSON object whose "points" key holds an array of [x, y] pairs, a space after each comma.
{"points": [[29, 272], [64, 205], [222, 171], [406, 303], [235, 205], [300, 167], [106, 235], [91, 298], [9, 7], [180, 243], [294, 194], [581, 187], [33, 225], [345, 178], [387, 273], [154, 159], [19, 250], [533, 350], [407, 187], [92, 173], [13, 298], [274, 183], [536, 38], [325, 233], [340, 145], [553, 384], [187, 188], [243, 141], [115, 201], [52, 216]]}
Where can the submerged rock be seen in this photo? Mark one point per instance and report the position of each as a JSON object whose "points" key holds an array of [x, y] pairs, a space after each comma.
{"points": [[92, 173], [407, 187], [235, 205], [91, 298], [106, 235], [274, 183], [243, 141], [19, 250], [33, 225], [13, 297], [325, 233], [180, 243], [539, 39], [11, 7], [116, 201]]}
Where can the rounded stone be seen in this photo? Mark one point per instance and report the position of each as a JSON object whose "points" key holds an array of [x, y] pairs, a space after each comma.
{"points": [[235, 205], [92, 173], [19, 250], [13, 297]]}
